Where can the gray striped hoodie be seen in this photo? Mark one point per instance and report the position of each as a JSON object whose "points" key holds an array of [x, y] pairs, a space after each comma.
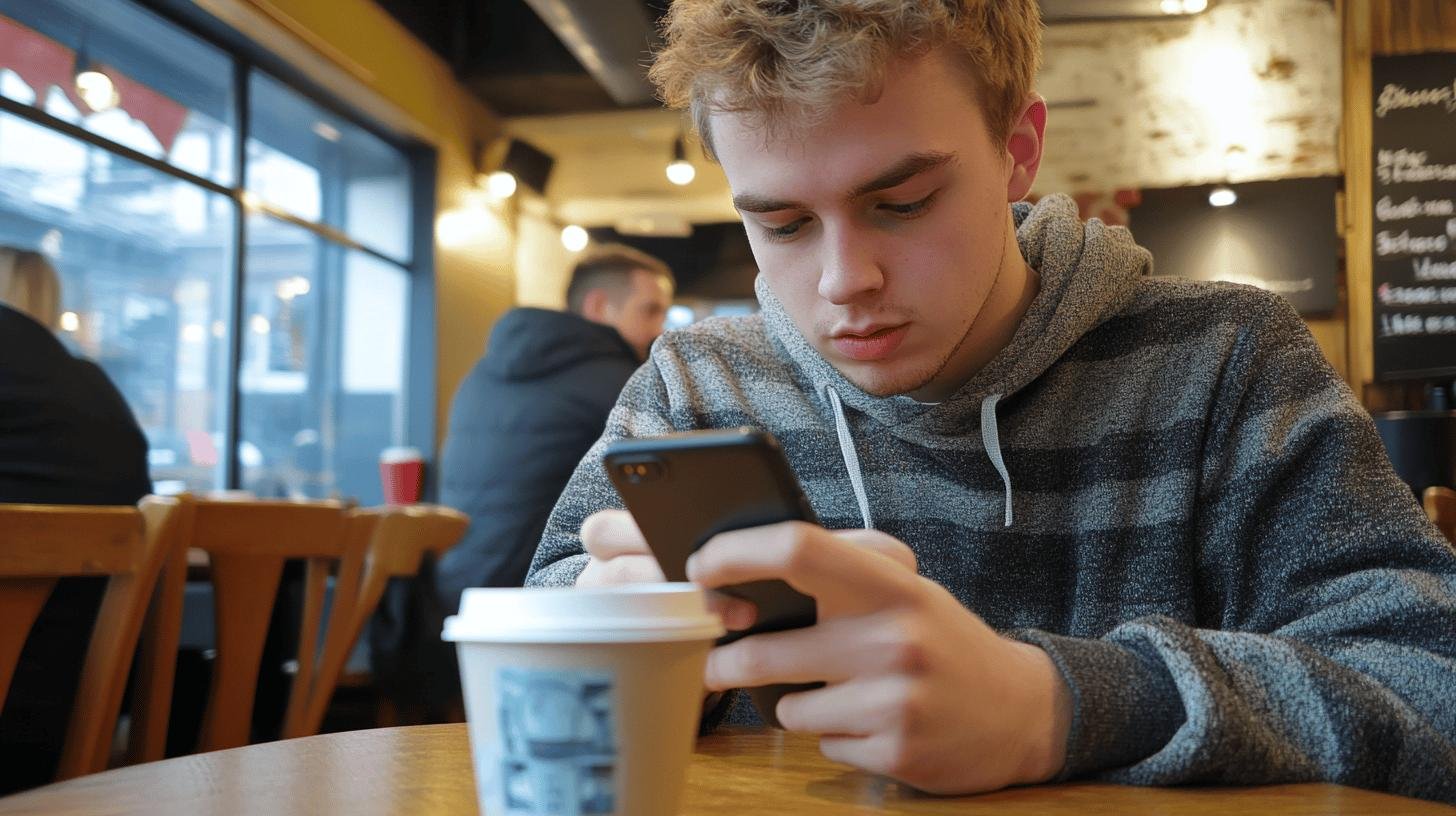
{"points": [[1160, 482]]}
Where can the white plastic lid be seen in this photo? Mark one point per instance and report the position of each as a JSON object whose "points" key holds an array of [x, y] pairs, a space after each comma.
{"points": [[392, 456], [631, 613]]}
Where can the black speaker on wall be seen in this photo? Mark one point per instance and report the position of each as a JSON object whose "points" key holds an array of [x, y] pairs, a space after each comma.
{"points": [[530, 165]]}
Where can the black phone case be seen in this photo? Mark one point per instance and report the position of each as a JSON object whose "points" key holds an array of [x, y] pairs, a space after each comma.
{"points": [[685, 488]]}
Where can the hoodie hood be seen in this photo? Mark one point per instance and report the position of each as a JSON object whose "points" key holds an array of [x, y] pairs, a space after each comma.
{"points": [[527, 344], [1088, 271]]}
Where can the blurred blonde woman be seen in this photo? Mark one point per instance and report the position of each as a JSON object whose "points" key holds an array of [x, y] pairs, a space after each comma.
{"points": [[29, 284], [67, 436]]}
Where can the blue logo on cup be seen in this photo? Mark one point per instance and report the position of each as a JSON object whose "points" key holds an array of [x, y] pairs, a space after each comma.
{"points": [[558, 742]]}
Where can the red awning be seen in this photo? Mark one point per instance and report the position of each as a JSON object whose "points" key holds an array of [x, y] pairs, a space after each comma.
{"points": [[43, 63]]}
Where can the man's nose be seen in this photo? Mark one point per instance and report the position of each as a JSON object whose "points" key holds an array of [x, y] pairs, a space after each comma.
{"points": [[849, 268]]}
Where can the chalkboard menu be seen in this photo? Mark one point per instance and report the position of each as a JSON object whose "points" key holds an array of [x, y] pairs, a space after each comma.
{"points": [[1414, 280]]}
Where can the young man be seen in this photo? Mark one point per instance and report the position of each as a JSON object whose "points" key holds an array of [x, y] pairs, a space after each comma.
{"points": [[1111, 525]]}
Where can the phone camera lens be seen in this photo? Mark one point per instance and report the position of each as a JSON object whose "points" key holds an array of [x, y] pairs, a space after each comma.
{"points": [[638, 472]]}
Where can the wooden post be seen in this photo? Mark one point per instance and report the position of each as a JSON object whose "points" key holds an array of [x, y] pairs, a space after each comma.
{"points": [[1356, 143]]}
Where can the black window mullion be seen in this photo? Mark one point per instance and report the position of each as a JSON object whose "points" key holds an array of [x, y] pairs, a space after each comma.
{"points": [[80, 134], [237, 331]]}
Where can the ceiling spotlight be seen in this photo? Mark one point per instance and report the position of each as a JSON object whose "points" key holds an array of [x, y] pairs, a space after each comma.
{"points": [[680, 171], [574, 238], [70, 321], [1172, 6], [1222, 197], [96, 90], [1194, 6], [500, 185]]}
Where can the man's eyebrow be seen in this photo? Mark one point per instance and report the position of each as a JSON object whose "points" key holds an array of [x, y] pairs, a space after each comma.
{"points": [[899, 173], [749, 202], [902, 171]]}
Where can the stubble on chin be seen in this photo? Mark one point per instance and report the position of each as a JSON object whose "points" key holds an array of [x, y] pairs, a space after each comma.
{"points": [[888, 379]]}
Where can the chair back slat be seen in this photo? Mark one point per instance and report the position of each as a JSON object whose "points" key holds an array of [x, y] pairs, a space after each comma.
{"points": [[114, 641], [247, 543], [269, 528], [398, 537], [62, 540], [156, 662], [42, 543]]}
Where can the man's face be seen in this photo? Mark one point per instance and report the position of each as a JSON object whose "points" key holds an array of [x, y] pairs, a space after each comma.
{"points": [[639, 312], [880, 229]]}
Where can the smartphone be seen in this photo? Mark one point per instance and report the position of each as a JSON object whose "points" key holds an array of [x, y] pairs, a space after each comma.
{"points": [[685, 488]]}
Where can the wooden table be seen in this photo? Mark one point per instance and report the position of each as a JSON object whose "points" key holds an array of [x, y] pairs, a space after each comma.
{"points": [[426, 770]]}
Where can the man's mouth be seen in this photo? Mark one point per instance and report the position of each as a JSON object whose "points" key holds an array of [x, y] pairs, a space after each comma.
{"points": [[870, 342]]}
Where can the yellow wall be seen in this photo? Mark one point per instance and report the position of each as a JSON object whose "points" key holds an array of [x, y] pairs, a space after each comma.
{"points": [[358, 41], [543, 265]]}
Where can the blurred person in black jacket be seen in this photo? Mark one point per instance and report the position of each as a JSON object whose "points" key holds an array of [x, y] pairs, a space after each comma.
{"points": [[66, 437], [534, 404], [521, 420]]}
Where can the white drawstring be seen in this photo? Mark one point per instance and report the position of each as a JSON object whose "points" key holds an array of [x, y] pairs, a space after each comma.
{"points": [[851, 457], [992, 440], [990, 437]]}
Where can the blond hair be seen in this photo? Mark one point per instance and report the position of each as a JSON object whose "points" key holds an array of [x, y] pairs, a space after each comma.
{"points": [[799, 58], [28, 283]]}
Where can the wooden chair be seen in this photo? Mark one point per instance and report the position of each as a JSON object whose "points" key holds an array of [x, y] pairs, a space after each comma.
{"points": [[40, 544], [1440, 503], [398, 537], [247, 543]]}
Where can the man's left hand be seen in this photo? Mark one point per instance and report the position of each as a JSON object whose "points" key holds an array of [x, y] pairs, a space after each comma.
{"points": [[918, 687]]}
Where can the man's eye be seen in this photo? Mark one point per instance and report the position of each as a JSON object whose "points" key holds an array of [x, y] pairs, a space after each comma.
{"points": [[785, 232], [914, 208]]}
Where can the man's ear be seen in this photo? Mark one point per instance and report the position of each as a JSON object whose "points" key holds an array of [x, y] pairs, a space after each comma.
{"points": [[594, 305], [1024, 146]]}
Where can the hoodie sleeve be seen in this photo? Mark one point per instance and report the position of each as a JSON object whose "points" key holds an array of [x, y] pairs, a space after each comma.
{"points": [[1326, 644], [642, 410]]}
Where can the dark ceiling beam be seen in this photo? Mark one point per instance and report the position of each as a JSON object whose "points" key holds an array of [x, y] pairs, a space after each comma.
{"points": [[1079, 11], [611, 40]]}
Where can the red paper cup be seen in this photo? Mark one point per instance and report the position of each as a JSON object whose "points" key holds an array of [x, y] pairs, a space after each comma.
{"points": [[401, 471]]}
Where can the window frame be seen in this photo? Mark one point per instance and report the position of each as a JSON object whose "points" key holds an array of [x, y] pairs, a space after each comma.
{"points": [[247, 58]]}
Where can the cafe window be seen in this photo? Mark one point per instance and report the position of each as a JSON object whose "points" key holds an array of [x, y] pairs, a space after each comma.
{"points": [[133, 184], [322, 373]]}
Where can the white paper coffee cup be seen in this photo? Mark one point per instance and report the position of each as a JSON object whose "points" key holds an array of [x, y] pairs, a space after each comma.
{"points": [[582, 702]]}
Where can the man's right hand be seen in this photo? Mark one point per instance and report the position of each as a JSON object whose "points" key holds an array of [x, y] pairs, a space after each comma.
{"points": [[619, 555]]}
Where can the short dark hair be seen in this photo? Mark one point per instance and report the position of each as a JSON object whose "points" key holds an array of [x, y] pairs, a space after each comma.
{"points": [[610, 267]]}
